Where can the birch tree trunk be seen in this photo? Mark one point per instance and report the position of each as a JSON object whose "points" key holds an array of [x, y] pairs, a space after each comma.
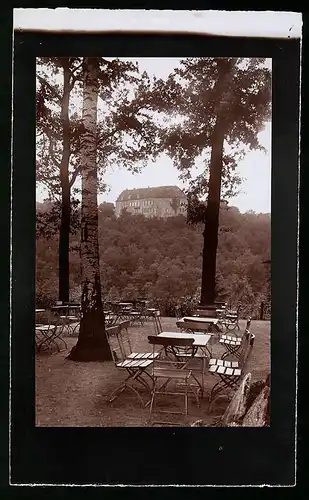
{"points": [[92, 343], [64, 235]]}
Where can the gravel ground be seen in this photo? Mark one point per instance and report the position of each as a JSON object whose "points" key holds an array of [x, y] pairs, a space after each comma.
{"points": [[75, 394]]}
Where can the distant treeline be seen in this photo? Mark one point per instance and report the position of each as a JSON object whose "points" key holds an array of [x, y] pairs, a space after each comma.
{"points": [[161, 258]]}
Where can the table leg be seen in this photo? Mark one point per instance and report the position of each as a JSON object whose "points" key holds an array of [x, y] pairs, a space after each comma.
{"points": [[203, 374]]}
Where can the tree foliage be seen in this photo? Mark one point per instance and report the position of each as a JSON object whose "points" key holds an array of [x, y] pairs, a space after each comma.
{"points": [[123, 128], [222, 105], [193, 96], [121, 135], [161, 259]]}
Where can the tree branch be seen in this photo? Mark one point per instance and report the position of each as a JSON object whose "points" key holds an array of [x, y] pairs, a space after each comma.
{"points": [[76, 172], [52, 153], [74, 77], [107, 136], [50, 88]]}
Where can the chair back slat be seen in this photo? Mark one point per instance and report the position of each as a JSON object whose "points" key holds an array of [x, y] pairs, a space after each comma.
{"points": [[112, 330], [124, 338], [206, 313], [156, 315], [113, 333], [247, 347], [178, 312], [246, 331], [193, 325]]}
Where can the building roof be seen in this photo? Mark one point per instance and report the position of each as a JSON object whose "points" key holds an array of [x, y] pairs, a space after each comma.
{"points": [[151, 192]]}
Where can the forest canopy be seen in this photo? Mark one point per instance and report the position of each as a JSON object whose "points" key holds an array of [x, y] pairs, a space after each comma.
{"points": [[161, 258]]}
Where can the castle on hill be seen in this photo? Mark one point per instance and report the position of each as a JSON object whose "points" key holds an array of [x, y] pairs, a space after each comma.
{"points": [[161, 201]]}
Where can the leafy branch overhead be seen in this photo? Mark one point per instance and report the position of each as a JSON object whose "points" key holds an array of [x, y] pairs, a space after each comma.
{"points": [[124, 126], [194, 96]]}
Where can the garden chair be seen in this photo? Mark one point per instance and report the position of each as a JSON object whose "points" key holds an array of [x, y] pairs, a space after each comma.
{"points": [[149, 312], [165, 371], [49, 333], [111, 319], [230, 372], [134, 363], [231, 318], [233, 343], [137, 314], [156, 317], [189, 356], [178, 312], [71, 321]]}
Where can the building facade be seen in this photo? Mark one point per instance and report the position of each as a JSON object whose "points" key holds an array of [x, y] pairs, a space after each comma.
{"points": [[162, 201]]}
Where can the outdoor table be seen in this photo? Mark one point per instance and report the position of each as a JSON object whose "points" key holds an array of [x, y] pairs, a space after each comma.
{"points": [[40, 310], [50, 334], [209, 307], [200, 341], [66, 308], [70, 315], [206, 313], [208, 320], [196, 323]]}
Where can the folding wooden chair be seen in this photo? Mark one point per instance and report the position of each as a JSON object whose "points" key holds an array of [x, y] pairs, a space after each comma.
{"points": [[233, 343], [189, 357], [49, 333], [137, 315], [170, 370], [231, 319], [156, 318], [71, 322], [110, 319], [230, 372], [134, 363], [178, 312]]}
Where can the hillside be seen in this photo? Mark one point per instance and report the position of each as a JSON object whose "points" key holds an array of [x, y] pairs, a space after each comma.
{"points": [[162, 259]]}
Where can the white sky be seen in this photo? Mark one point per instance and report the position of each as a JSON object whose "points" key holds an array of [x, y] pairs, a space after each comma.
{"points": [[255, 168]]}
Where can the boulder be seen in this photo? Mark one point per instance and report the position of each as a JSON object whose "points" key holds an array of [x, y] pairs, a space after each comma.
{"points": [[237, 408], [258, 413], [198, 423]]}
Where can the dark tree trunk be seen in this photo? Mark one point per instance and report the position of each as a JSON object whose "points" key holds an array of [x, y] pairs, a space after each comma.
{"points": [[92, 342], [64, 236], [212, 219], [224, 92]]}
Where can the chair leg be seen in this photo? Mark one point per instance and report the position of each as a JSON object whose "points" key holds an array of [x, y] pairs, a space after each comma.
{"points": [[136, 393], [152, 402], [116, 393], [186, 399]]}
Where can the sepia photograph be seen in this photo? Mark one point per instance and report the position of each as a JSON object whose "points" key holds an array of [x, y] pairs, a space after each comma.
{"points": [[154, 267], [153, 290]]}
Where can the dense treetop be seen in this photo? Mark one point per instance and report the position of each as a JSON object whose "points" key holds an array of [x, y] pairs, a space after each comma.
{"points": [[161, 258]]}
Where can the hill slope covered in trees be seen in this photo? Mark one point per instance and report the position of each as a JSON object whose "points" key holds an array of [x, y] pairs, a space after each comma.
{"points": [[161, 259]]}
